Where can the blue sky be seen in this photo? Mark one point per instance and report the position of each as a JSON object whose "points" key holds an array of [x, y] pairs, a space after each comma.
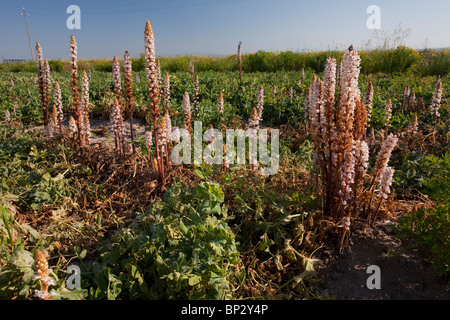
{"points": [[215, 27]]}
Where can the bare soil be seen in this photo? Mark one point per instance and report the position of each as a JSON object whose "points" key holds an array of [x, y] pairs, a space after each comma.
{"points": [[139, 128], [101, 130], [405, 272]]}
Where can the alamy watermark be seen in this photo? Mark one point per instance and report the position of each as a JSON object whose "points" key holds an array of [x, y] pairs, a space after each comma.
{"points": [[235, 153], [374, 281], [73, 281], [373, 22], [74, 20]]}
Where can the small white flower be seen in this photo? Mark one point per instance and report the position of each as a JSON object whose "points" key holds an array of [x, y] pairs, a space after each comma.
{"points": [[346, 223], [386, 181], [37, 275], [148, 139], [41, 294], [176, 135], [49, 280]]}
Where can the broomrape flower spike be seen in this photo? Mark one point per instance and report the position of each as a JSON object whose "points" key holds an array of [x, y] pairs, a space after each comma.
{"points": [[42, 273], [327, 111], [47, 85], [54, 123], [176, 136], [339, 126], [254, 124], [128, 80], [346, 223], [85, 109], [165, 130], [58, 104], [220, 102], [362, 154], [316, 109], [117, 81], [150, 66], [43, 71], [349, 91], [379, 171], [118, 128], [166, 134], [191, 67], [385, 184], [406, 96], [368, 100], [384, 155], [148, 139], [187, 111], [254, 119], [386, 181], [153, 90], [329, 81], [347, 177], [346, 226], [72, 125], [413, 127], [74, 83], [148, 142], [161, 132], [437, 96]]}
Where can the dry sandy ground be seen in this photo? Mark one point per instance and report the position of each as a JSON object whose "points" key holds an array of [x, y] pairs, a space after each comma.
{"points": [[404, 272], [139, 127], [97, 124]]}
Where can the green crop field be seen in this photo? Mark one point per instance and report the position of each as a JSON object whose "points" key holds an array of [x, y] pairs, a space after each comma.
{"points": [[76, 188]]}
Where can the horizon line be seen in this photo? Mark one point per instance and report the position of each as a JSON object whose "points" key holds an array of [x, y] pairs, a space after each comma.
{"points": [[224, 55]]}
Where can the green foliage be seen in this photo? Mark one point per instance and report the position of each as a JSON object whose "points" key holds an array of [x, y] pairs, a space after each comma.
{"points": [[28, 171], [16, 277], [182, 248], [17, 262], [57, 65], [28, 66], [432, 227], [269, 214], [411, 173], [435, 63], [437, 185], [400, 59], [103, 66], [262, 61]]}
